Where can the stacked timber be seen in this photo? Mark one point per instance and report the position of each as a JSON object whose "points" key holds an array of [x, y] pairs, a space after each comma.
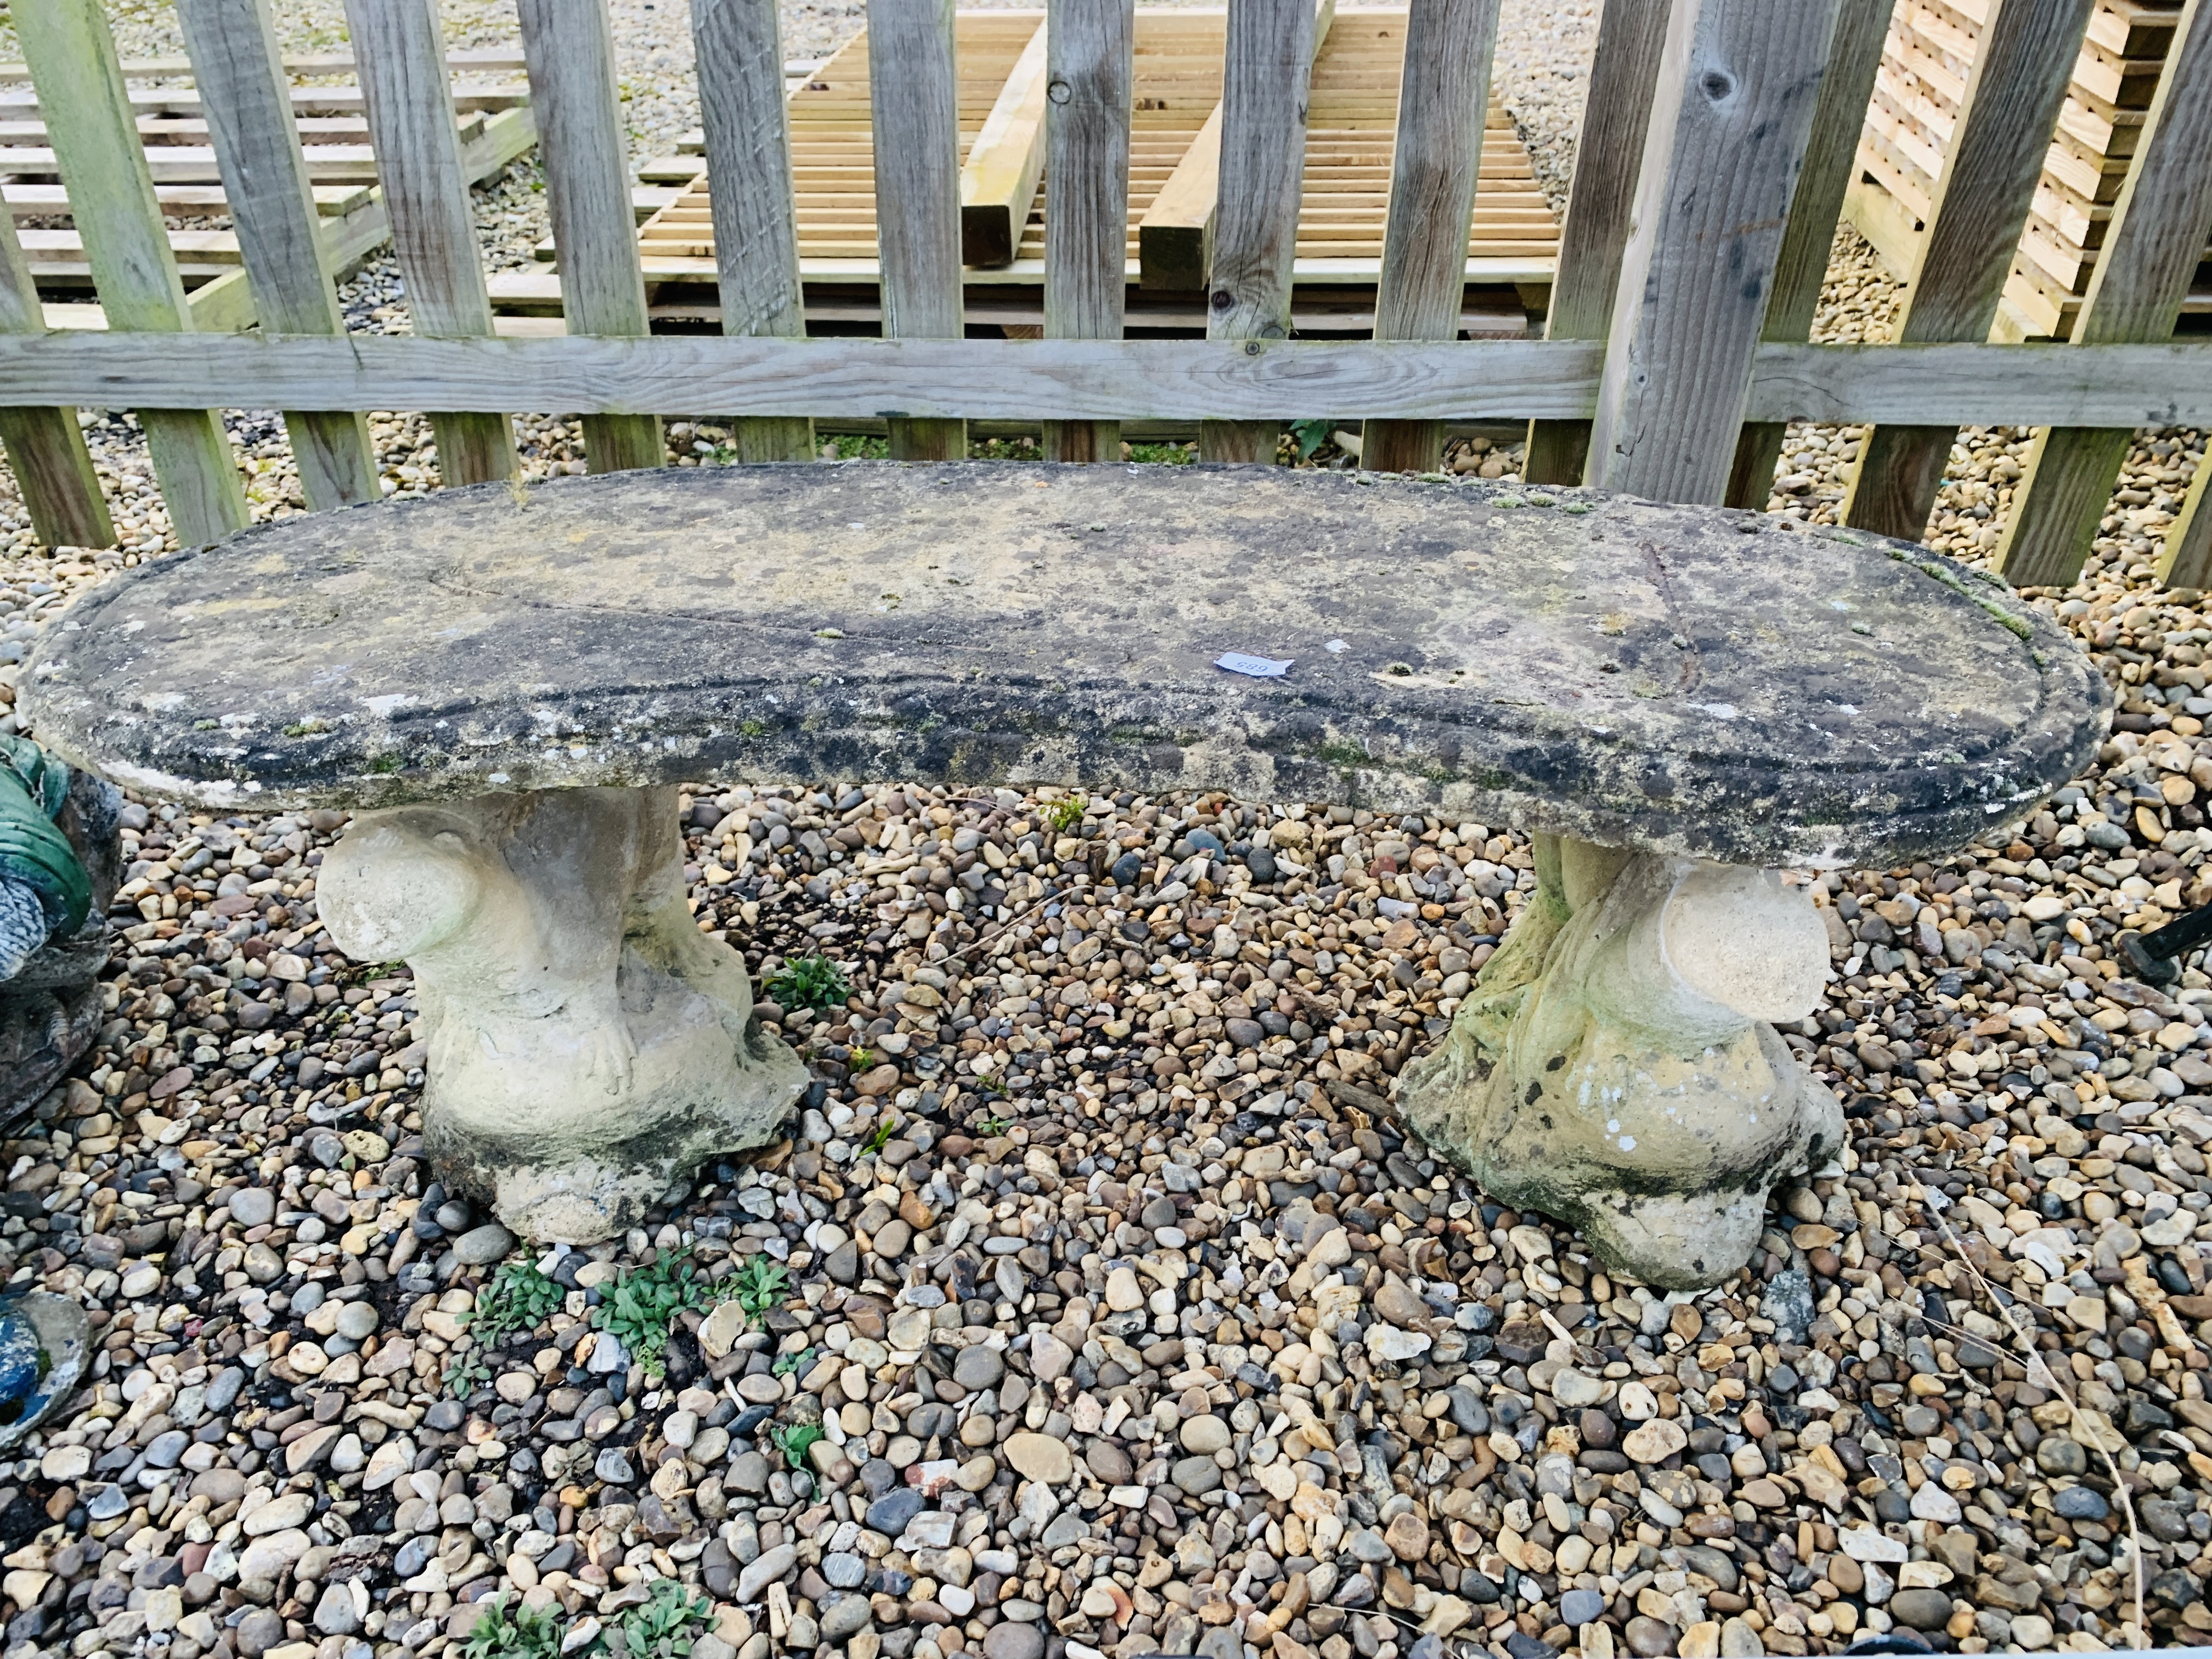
{"points": [[1926, 62], [1512, 249]]}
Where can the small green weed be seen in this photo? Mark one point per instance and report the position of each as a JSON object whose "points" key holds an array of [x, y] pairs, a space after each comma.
{"points": [[1309, 437], [760, 1284], [515, 1298], [881, 1138], [640, 1305], [990, 1126], [1063, 815], [794, 1438], [523, 1633], [789, 1364], [859, 1058], [809, 982], [1165, 454], [664, 1626]]}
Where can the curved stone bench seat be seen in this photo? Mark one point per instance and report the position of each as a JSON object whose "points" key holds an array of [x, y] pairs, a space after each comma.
{"points": [[1676, 700]]}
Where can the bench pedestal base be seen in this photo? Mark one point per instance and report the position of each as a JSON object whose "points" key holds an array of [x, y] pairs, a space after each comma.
{"points": [[1616, 1067], [588, 1045]]}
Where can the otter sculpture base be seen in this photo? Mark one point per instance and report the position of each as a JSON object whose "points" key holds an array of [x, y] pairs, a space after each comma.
{"points": [[588, 1045], [1616, 1068]]}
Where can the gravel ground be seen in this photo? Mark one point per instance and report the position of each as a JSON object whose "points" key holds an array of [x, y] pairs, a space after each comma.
{"points": [[1126, 1315]]}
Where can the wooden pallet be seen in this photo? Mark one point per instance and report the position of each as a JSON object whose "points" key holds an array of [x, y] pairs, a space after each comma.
{"points": [[1512, 251], [494, 120], [1926, 62]]}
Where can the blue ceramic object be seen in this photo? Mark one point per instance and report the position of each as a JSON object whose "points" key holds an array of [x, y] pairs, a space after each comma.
{"points": [[43, 1342]]}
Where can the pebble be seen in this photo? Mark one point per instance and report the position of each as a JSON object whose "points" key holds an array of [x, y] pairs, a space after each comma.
{"points": [[481, 1246], [253, 1206], [1655, 1441], [1574, 1391], [1920, 1609], [978, 1367], [768, 1569], [1205, 1435], [1041, 1457]]}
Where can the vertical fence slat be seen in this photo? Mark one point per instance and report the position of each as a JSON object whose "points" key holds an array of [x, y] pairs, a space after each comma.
{"points": [[1443, 104], [1266, 69], [45, 447], [1175, 239], [1830, 161], [569, 47], [739, 47], [1974, 223], [401, 59], [247, 100], [95, 134], [914, 95], [1738, 81], [1616, 117], [2152, 245], [1091, 73]]}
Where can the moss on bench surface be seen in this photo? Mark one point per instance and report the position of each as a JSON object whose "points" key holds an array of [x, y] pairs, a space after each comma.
{"points": [[1686, 680]]}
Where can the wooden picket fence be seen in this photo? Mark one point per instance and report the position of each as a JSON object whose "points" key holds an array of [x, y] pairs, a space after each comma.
{"points": [[1720, 142], [493, 117]]}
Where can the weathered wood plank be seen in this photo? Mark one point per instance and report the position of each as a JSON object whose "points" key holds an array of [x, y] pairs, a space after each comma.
{"points": [[1616, 117], [998, 180], [1175, 238], [570, 48], [2164, 384], [241, 78], [739, 47], [426, 189], [1831, 162], [1267, 67], [2186, 560], [914, 95], [482, 60], [1091, 62], [72, 56], [45, 447], [1738, 81], [2152, 245], [1973, 383], [167, 102], [1444, 100], [1962, 263]]}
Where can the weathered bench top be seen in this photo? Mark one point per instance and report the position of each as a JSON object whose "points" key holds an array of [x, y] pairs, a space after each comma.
{"points": [[1683, 679]]}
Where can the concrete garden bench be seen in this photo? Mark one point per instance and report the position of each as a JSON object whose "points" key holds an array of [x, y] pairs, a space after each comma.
{"points": [[1678, 702]]}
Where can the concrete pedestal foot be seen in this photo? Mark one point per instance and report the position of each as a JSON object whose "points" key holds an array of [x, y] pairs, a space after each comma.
{"points": [[1617, 1068], [587, 1044]]}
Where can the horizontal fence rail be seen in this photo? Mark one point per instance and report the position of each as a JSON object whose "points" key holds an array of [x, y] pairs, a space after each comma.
{"points": [[2119, 386]]}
